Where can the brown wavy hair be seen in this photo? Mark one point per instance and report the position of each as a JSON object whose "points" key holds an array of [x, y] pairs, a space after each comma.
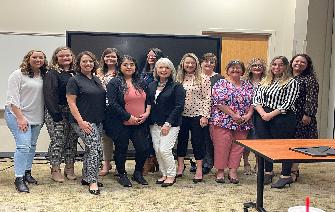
{"points": [[25, 65], [92, 56]]}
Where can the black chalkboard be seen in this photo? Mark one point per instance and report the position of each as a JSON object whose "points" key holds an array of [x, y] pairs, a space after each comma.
{"points": [[137, 45]]}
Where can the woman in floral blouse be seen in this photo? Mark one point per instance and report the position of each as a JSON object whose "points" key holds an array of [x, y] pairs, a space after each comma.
{"points": [[230, 120]]}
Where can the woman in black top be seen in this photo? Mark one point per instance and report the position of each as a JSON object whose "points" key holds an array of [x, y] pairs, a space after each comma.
{"points": [[275, 118], [127, 113], [167, 104], [87, 98], [63, 138], [307, 102]]}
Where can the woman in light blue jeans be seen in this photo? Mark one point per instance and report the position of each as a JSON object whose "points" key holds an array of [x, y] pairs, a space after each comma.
{"points": [[24, 113]]}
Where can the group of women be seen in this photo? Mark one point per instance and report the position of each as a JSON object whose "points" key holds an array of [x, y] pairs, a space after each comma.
{"points": [[112, 102]]}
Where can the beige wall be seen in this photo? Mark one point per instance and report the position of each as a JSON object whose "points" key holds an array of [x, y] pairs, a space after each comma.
{"points": [[189, 17]]}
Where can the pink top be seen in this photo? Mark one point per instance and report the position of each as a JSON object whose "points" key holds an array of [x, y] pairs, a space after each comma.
{"points": [[134, 102]]}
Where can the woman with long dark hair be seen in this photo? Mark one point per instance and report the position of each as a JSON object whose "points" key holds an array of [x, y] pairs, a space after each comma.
{"points": [[127, 113], [307, 102]]}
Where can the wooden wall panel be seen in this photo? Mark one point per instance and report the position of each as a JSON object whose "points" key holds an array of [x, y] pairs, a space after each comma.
{"points": [[243, 47]]}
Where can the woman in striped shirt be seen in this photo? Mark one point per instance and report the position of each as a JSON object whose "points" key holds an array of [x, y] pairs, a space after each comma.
{"points": [[274, 101]]}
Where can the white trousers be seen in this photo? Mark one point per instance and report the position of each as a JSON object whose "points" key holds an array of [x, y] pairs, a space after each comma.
{"points": [[163, 147]]}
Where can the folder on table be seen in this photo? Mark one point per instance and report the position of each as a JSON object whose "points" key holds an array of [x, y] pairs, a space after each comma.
{"points": [[319, 151]]}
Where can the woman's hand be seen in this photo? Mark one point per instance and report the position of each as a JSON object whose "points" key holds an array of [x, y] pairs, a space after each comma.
{"points": [[86, 127], [246, 118], [238, 119], [306, 120], [165, 129], [266, 116], [22, 123], [142, 118], [133, 120], [203, 122]]}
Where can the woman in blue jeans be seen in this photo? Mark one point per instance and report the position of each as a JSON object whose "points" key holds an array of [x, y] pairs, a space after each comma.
{"points": [[24, 113]]}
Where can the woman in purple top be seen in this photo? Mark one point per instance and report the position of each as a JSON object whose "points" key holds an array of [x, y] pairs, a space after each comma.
{"points": [[230, 120]]}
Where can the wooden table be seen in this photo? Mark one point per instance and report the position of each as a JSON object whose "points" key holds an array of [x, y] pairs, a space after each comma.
{"points": [[277, 151]]}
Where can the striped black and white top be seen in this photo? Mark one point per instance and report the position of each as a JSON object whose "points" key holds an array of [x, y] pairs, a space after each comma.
{"points": [[278, 97]]}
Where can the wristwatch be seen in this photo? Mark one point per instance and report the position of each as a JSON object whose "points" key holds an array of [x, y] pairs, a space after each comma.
{"points": [[167, 124]]}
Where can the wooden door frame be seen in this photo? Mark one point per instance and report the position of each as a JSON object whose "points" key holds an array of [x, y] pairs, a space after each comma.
{"points": [[271, 34]]}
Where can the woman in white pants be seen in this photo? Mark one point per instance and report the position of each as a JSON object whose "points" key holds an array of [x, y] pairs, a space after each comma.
{"points": [[168, 99]]}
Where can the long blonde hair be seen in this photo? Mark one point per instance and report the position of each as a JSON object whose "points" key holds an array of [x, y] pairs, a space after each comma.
{"points": [[284, 78], [181, 71]]}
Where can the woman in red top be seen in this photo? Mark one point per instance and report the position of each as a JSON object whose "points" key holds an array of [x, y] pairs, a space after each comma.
{"points": [[127, 113]]}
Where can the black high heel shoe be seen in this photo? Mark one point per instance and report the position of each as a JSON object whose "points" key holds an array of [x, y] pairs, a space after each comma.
{"points": [[164, 184], [282, 182], [94, 192], [180, 175], [295, 175], [84, 182]]}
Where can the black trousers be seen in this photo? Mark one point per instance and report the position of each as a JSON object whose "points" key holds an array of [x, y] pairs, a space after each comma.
{"points": [[139, 136], [280, 127], [197, 134], [208, 161]]}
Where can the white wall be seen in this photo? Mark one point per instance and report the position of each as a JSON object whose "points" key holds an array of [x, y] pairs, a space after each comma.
{"points": [[189, 17]]}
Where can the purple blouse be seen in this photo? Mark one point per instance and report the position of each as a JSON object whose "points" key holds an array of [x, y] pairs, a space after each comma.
{"points": [[239, 99]]}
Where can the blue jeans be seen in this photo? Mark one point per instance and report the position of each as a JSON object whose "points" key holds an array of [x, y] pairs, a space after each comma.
{"points": [[25, 143]]}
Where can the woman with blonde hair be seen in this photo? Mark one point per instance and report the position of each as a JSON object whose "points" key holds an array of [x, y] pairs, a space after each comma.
{"points": [[275, 118], [24, 114], [196, 112], [255, 72], [63, 138]]}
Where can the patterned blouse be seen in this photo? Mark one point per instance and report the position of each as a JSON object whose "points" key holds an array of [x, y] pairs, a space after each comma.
{"points": [[105, 78], [198, 97], [239, 99], [307, 104]]}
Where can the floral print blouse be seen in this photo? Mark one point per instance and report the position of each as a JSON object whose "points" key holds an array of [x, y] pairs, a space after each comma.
{"points": [[239, 99]]}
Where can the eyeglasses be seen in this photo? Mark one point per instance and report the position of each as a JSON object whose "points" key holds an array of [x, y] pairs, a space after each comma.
{"points": [[212, 62]]}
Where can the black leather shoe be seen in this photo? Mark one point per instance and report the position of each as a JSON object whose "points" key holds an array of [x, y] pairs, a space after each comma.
{"points": [[94, 192], [28, 178], [138, 177], [159, 182], [197, 180], [124, 181], [282, 182], [205, 170], [84, 182], [164, 184], [21, 185], [220, 180]]}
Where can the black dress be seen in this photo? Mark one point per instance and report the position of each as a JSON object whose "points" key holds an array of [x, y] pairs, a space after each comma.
{"points": [[307, 104]]}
